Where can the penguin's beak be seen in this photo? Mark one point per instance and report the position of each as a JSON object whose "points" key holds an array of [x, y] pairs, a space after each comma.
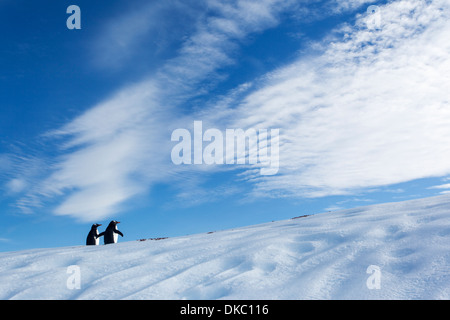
{"points": [[118, 221]]}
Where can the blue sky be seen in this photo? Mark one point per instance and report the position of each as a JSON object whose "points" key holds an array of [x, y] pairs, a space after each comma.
{"points": [[86, 116]]}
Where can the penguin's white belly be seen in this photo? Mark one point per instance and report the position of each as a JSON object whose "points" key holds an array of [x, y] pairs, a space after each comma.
{"points": [[97, 240], [115, 236]]}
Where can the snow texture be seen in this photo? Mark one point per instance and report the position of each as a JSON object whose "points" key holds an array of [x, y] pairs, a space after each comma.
{"points": [[322, 256]]}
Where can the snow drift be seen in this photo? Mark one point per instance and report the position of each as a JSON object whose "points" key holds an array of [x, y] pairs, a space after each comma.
{"points": [[322, 256]]}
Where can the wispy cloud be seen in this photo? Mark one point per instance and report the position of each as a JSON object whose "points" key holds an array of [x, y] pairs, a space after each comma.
{"points": [[120, 147], [442, 186], [144, 26], [370, 109], [366, 107]]}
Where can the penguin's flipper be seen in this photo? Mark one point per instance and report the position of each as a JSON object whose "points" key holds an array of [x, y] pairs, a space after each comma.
{"points": [[117, 231], [101, 234]]}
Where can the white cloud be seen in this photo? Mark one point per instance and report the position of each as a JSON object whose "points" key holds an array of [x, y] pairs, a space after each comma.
{"points": [[371, 110], [16, 185], [117, 149], [19, 172], [368, 107], [337, 6], [442, 186], [114, 151]]}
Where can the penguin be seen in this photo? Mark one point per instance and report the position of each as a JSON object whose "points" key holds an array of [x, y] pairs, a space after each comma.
{"points": [[111, 233], [92, 238]]}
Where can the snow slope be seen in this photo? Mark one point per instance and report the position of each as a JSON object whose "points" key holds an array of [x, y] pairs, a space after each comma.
{"points": [[323, 256]]}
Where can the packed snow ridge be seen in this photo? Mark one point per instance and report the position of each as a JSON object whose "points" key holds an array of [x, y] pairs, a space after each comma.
{"points": [[388, 251]]}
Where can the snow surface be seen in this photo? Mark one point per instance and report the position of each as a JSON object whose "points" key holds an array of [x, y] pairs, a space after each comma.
{"points": [[323, 256]]}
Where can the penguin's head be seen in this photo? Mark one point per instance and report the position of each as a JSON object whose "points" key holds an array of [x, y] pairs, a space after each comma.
{"points": [[95, 226], [113, 223]]}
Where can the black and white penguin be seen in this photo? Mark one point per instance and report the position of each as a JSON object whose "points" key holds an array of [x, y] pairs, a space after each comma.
{"points": [[110, 235], [92, 238]]}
